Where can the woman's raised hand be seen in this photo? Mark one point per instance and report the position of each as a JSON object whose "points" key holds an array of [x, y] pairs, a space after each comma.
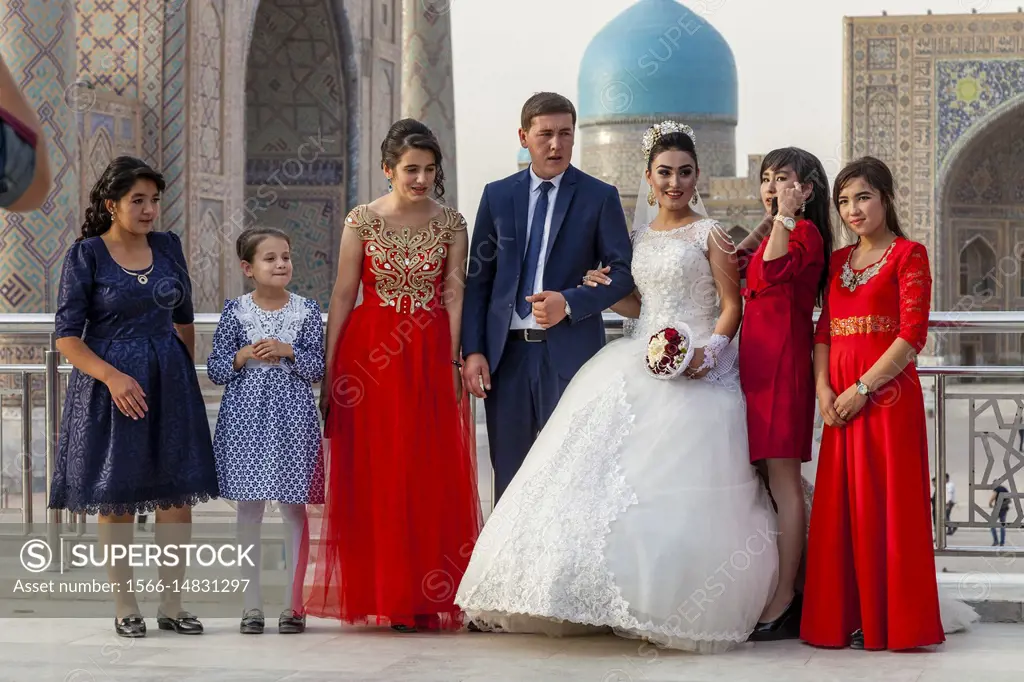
{"points": [[792, 198]]}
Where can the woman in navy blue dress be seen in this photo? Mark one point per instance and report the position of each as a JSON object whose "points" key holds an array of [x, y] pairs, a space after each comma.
{"points": [[134, 435]]}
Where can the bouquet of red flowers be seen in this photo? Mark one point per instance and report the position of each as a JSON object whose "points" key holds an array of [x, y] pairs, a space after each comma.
{"points": [[669, 352]]}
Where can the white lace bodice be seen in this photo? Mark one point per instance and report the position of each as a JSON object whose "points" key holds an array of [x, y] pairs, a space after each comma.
{"points": [[673, 275], [283, 324]]}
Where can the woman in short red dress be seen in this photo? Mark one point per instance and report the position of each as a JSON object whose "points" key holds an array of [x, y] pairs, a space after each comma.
{"points": [[402, 512], [786, 275], [870, 580]]}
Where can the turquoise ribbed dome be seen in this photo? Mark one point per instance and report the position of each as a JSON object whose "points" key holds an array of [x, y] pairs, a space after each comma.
{"points": [[657, 57]]}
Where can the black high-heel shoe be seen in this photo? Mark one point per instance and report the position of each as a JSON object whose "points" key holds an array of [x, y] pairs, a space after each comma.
{"points": [[857, 639], [786, 626], [131, 626], [184, 624]]}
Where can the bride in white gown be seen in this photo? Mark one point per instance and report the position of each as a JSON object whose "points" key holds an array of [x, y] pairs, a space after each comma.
{"points": [[637, 508]]}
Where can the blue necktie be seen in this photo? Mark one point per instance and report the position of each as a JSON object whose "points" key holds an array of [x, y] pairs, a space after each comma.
{"points": [[530, 262]]}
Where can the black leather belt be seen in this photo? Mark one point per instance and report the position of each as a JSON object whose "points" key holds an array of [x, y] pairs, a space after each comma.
{"points": [[529, 335]]}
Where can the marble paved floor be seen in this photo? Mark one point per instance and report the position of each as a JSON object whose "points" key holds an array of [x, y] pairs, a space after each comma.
{"points": [[86, 650]]}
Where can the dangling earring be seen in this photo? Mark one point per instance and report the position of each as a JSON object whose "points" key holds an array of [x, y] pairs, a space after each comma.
{"points": [[390, 188], [650, 197], [803, 207], [695, 199]]}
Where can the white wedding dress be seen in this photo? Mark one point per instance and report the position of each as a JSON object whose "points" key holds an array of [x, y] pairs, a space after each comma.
{"points": [[637, 508]]}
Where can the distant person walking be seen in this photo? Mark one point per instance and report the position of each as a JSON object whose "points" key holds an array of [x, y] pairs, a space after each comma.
{"points": [[1001, 502]]}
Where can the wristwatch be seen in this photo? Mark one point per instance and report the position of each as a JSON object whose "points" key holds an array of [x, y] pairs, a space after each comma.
{"points": [[862, 388], [787, 222]]}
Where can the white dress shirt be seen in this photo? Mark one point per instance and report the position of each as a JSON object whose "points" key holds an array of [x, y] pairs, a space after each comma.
{"points": [[538, 282]]}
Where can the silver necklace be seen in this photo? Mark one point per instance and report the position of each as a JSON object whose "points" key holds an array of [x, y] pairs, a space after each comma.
{"points": [[851, 279], [141, 276]]}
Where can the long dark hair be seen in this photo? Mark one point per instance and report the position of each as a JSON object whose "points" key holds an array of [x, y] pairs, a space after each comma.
{"points": [[808, 169], [874, 172], [115, 182], [411, 134]]}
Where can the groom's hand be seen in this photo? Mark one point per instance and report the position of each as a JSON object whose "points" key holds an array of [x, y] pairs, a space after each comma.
{"points": [[548, 308], [476, 375]]}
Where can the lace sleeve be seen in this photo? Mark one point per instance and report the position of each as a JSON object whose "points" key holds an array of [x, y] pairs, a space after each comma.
{"points": [[915, 282]]}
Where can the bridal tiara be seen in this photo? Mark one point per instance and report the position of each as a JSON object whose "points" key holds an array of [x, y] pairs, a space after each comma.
{"points": [[655, 132]]}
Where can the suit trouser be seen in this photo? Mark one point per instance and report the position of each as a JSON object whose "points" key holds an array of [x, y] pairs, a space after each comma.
{"points": [[524, 392]]}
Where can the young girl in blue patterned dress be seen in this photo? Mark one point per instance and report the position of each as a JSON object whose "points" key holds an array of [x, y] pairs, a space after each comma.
{"points": [[268, 350]]}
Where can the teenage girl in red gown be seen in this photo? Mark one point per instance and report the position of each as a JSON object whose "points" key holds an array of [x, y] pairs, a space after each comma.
{"points": [[402, 512], [870, 580], [786, 266]]}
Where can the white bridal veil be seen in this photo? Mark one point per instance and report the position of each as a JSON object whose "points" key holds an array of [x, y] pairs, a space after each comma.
{"points": [[645, 213]]}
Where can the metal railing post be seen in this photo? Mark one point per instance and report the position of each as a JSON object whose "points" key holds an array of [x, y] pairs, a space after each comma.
{"points": [[26, 451], [940, 462], [52, 383]]}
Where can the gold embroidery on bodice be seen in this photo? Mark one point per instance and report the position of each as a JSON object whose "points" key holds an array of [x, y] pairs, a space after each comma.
{"points": [[407, 263]]}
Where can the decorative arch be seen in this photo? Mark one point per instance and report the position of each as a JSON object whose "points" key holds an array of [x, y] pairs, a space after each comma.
{"points": [[301, 130], [967, 172], [978, 222], [966, 141], [977, 262]]}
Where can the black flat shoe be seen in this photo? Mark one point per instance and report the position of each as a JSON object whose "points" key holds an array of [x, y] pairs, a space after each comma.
{"points": [[857, 640], [786, 626], [404, 629], [252, 622], [291, 623], [132, 626], [184, 624]]}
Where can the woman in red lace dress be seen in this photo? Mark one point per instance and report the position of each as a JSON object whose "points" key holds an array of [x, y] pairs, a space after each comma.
{"points": [[786, 275], [402, 512], [870, 580]]}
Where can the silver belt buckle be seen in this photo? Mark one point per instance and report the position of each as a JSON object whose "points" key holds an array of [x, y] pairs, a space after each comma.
{"points": [[530, 338]]}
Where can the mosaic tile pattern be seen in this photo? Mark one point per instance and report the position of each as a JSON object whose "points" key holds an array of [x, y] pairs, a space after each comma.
{"points": [[38, 47], [109, 37], [950, 75], [967, 90]]}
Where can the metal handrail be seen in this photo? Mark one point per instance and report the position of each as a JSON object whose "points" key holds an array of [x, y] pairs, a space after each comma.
{"points": [[955, 322], [973, 321]]}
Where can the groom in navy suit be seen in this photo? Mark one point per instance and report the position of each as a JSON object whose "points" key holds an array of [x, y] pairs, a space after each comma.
{"points": [[527, 323]]}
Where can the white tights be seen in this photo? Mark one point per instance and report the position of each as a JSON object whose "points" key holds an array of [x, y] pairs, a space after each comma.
{"points": [[296, 551]]}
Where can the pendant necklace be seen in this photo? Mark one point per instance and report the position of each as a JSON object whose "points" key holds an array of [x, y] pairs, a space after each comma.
{"points": [[141, 276]]}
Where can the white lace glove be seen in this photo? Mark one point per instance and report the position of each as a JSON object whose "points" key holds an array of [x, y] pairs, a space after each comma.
{"points": [[715, 352]]}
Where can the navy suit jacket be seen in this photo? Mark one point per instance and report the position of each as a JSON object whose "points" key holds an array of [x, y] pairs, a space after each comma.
{"points": [[588, 228]]}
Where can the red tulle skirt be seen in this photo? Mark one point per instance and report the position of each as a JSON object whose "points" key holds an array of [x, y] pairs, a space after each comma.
{"points": [[402, 510]]}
